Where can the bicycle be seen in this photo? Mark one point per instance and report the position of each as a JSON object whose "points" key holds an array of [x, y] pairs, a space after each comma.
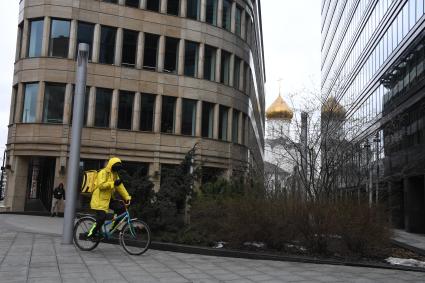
{"points": [[134, 236]]}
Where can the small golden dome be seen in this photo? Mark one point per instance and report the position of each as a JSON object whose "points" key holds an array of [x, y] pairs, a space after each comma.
{"points": [[331, 105], [279, 110]]}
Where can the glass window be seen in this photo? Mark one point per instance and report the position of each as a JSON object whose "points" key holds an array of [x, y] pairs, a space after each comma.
{"points": [[107, 45], [222, 123], [111, 1], [243, 129], [188, 117], [193, 9], [207, 120], [405, 19], [129, 48], [209, 62], [132, 3], [168, 114], [147, 112], [59, 38], [419, 8], [173, 7], [227, 14], [125, 110], [19, 39], [190, 58], [171, 54], [225, 67], [237, 73], [235, 126], [238, 20], [35, 38], [211, 12], [30, 103], [102, 107], [85, 32], [54, 97], [412, 13], [152, 5], [151, 51]]}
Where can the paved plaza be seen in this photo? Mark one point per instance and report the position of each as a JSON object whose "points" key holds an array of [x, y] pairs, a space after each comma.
{"points": [[28, 255]]}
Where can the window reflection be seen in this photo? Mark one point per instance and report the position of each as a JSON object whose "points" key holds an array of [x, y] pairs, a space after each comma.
{"points": [[30, 103], [59, 38], [54, 97], [35, 38]]}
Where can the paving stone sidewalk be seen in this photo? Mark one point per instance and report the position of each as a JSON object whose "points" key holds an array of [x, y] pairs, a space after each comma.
{"points": [[36, 257]]}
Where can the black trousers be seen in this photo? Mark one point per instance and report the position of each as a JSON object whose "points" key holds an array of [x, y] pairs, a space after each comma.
{"points": [[118, 208]]}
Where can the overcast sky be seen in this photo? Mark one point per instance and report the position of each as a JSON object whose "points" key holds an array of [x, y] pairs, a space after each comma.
{"points": [[291, 37]]}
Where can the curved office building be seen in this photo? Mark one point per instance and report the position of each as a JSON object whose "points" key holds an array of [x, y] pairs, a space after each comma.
{"points": [[163, 75]]}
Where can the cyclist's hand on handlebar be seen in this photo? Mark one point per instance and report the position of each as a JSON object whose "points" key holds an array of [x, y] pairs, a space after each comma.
{"points": [[117, 182], [127, 202]]}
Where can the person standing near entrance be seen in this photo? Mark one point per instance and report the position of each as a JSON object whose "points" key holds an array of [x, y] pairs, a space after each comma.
{"points": [[58, 196]]}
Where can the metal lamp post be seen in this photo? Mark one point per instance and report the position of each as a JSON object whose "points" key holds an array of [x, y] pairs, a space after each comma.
{"points": [[369, 190], [377, 140], [74, 155]]}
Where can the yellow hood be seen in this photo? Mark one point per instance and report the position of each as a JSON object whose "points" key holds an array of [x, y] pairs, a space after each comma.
{"points": [[112, 162]]}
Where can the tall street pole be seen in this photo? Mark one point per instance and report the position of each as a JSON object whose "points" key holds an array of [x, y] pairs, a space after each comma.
{"points": [[74, 154]]}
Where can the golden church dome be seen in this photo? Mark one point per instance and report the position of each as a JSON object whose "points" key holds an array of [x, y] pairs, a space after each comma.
{"points": [[331, 105], [279, 110]]}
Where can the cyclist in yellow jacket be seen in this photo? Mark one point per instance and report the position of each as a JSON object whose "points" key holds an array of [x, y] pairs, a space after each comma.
{"points": [[107, 182]]}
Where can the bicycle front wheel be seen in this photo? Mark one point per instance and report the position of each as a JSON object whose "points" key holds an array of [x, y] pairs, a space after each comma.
{"points": [[81, 230], [135, 237]]}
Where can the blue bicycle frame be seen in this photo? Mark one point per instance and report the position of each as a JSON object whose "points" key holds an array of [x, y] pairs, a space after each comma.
{"points": [[121, 218]]}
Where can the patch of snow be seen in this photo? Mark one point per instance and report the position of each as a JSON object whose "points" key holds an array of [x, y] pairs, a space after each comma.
{"points": [[255, 244], [406, 262], [301, 248], [219, 245]]}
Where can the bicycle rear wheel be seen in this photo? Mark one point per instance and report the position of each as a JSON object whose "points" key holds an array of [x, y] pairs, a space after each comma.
{"points": [[81, 230], [135, 237]]}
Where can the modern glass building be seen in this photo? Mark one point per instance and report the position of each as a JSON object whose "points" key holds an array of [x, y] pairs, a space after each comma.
{"points": [[163, 75], [373, 65]]}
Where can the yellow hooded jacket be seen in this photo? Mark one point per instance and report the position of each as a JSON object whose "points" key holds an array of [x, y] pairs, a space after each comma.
{"points": [[104, 187]]}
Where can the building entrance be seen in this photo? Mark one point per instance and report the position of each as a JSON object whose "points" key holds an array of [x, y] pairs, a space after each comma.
{"points": [[41, 173]]}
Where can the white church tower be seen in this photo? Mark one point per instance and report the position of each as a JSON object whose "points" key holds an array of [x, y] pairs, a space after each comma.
{"points": [[278, 165]]}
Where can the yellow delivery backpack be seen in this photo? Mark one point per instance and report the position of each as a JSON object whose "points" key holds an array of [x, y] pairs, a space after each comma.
{"points": [[88, 183]]}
